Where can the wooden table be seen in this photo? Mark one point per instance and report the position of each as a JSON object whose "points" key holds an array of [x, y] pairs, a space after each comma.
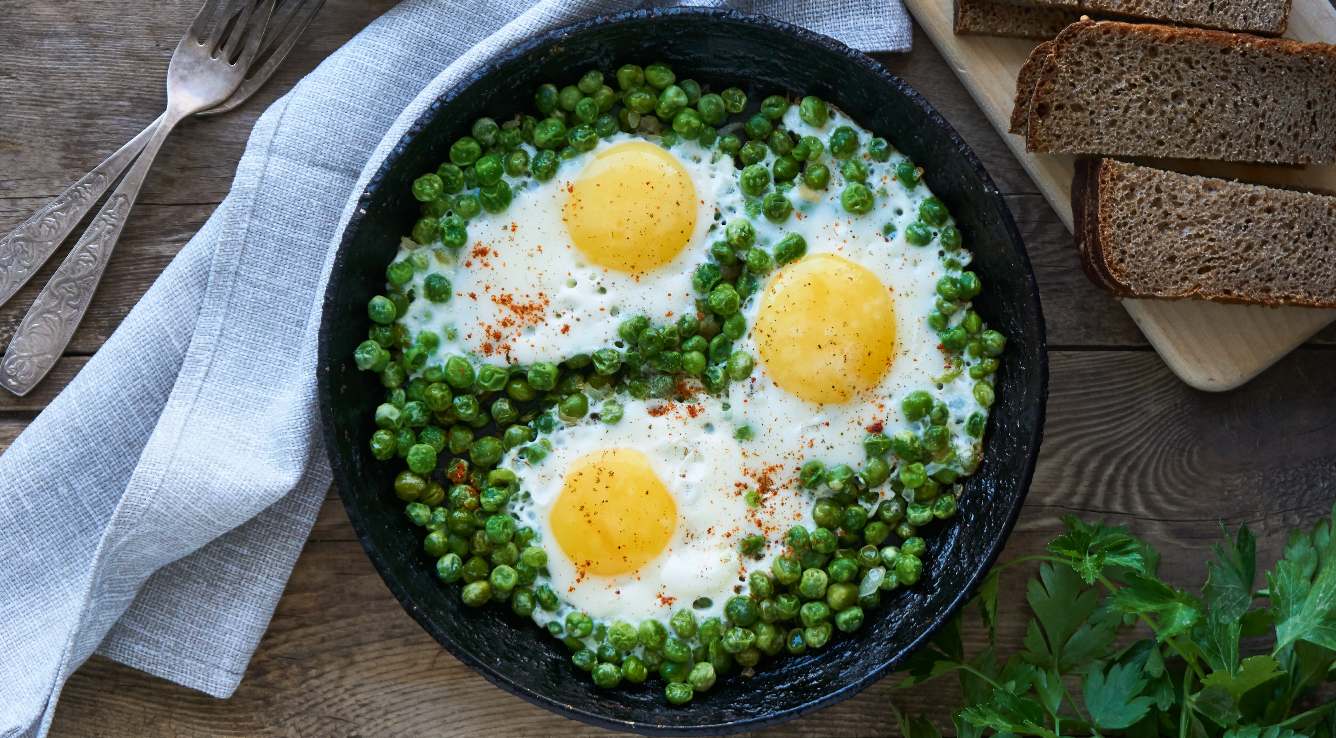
{"points": [[1125, 441]]}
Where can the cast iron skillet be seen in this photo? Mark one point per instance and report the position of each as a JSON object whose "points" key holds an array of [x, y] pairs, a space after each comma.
{"points": [[763, 56]]}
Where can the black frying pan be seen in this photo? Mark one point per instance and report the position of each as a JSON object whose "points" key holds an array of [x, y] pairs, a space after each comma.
{"points": [[762, 56]]}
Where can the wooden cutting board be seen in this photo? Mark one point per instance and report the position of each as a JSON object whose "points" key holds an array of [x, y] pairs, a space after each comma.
{"points": [[1209, 346]]}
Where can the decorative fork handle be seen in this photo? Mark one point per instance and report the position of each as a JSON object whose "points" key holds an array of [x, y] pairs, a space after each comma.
{"points": [[26, 248], [51, 321]]}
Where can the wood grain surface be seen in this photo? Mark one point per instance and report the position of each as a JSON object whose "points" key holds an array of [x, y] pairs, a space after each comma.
{"points": [[1210, 346], [1125, 441]]}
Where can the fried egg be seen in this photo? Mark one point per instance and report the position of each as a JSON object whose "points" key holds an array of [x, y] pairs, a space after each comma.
{"points": [[616, 232], [646, 516], [840, 335]]}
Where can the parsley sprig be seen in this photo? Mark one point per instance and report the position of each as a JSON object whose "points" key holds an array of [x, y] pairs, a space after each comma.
{"points": [[1113, 649]]}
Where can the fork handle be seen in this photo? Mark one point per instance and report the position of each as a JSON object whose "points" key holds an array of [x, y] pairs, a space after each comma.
{"points": [[26, 248], [51, 321]]}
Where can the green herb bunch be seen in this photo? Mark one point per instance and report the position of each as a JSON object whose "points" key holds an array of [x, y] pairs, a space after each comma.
{"points": [[1113, 649]]}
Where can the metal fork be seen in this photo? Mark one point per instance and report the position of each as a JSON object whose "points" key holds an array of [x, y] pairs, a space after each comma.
{"points": [[208, 66], [26, 248]]}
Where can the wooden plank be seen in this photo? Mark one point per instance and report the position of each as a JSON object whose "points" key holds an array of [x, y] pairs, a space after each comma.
{"points": [[1211, 347], [1125, 442]]}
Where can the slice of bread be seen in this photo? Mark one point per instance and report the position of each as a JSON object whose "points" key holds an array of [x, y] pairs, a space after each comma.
{"points": [[993, 18], [1151, 233], [1026, 80], [1137, 90], [1265, 17]]}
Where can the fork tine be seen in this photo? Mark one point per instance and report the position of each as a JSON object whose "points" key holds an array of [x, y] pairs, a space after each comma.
{"points": [[298, 15], [206, 20], [228, 35], [253, 36], [285, 38]]}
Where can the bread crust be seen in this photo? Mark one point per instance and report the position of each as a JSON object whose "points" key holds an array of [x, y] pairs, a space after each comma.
{"points": [[1026, 80], [1036, 119], [1112, 8], [995, 18], [1093, 216]]}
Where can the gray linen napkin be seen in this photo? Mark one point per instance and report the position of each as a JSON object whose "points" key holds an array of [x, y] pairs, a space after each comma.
{"points": [[154, 511]]}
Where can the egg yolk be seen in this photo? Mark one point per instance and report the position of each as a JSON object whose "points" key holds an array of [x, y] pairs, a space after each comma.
{"points": [[825, 329], [613, 515], [632, 208]]}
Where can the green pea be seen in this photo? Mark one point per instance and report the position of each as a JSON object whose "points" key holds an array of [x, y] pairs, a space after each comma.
{"points": [[607, 676], [752, 152], [542, 376], [758, 127], [476, 594], [918, 234], [754, 179], [908, 174], [452, 177], [652, 634], [465, 151], [790, 248], [983, 394], [842, 570], [812, 584], [854, 518], [465, 407], [573, 407], [842, 595], [421, 458], [740, 365], [816, 175], [993, 342], [381, 310], [741, 611], [857, 198], [723, 300], [677, 693], [383, 445], [879, 149], [908, 568], [953, 339], [672, 100], [814, 613], [370, 357], [913, 476], [428, 187], [550, 133], [659, 76], [843, 142], [786, 568], [785, 168], [813, 111], [735, 326], [734, 100], [448, 567], [740, 233], [630, 76], [932, 212], [687, 123], [854, 170], [738, 639], [437, 288], [776, 207]]}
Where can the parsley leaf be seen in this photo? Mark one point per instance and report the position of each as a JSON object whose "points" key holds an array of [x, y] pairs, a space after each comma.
{"points": [[1253, 672], [1089, 548], [1067, 630], [1175, 611], [1303, 589], [1010, 713], [1114, 700]]}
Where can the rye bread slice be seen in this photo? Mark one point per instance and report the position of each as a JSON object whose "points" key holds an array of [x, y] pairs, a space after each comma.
{"points": [[993, 18], [1026, 80], [1264, 17], [1139, 90], [1151, 233]]}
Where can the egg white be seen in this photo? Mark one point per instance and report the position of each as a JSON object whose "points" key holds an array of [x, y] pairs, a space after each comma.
{"points": [[788, 430], [524, 293], [692, 450]]}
